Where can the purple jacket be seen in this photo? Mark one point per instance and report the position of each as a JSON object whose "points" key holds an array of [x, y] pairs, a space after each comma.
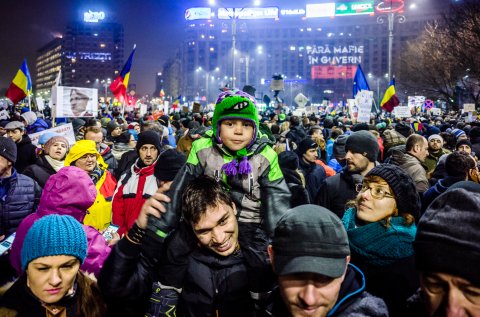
{"points": [[68, 192]]}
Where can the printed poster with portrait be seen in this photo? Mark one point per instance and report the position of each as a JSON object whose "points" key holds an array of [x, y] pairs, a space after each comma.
{"points": [[73, 102]]}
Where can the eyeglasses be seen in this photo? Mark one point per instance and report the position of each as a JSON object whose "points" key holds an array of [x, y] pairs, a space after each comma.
{"points": [[87, 156], [376, 191]]}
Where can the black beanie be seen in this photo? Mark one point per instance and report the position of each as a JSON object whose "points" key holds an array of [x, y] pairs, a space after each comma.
{"points": [[463, 142], [305, 145], [8, 149], [149, 137], [360, 127], [448, 235], [402, 185], [404, 129], [339, 146], [363, 142], [288, 160], [168, 164], [475, 132]]}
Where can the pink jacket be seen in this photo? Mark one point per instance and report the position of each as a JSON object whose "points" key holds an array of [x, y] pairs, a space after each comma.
{"points": [[68, 192]]}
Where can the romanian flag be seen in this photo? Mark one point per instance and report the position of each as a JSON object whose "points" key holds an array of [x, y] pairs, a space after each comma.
{"points": [[120, 84], [21, 85], [162, 93], [390, 100]]}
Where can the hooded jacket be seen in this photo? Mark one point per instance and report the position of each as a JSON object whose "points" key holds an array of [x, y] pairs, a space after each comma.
{"points": [[100, 213], [261, 197], [413, 167], [34, 124], [60, 196], [352, 299]]}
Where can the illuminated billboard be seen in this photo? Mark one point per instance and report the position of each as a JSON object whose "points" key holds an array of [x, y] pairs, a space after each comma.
{"points": [[93, 17], [198, 14], [248, 13], [333, 72], [320, 10], [390, 6], [292, 12], [355, 8], [339, 54]]}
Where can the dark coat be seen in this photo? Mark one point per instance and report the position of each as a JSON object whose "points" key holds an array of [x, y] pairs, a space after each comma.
{"points": [[126, 162], [211, 282], [314, 177], [296, 134], [393, 283], [109, 159], [294, 183], [20, 299], [22, 199], [352, 299], [337, 190], [25, 154], [40, 171]]}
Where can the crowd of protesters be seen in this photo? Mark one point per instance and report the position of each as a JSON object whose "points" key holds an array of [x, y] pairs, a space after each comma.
{"points": [[240, 213]]}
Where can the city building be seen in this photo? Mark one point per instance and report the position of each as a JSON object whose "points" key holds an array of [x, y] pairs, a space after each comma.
{"points": [[316, 47], [90, 54]]}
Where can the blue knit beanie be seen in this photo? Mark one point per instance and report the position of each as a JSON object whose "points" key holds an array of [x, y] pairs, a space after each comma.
{"points": [[54, 235]]}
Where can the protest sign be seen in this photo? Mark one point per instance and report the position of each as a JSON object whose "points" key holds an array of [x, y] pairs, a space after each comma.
{"points": [[65, 130], [364, 100], [73, 102], [402, 112]]}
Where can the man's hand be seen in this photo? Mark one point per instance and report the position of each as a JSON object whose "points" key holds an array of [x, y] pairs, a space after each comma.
{"points": [[153, 206]]}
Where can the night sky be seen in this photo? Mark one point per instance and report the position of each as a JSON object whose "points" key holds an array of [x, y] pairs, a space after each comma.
{"points": [[156, 26]]}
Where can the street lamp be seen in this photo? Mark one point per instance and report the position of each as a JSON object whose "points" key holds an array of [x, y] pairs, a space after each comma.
{"points": [[392, 9], [207, 79]]}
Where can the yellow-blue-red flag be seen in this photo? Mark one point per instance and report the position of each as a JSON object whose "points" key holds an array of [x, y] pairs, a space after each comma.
{"points": [[21, 85], [120, 84], [390, 99]]}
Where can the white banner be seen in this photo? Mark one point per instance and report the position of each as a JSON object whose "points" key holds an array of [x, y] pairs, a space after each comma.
{"points": [[73, 102], [40, 103], [468, 107], [364, 100], [416, 102], [402, 112], [65, 130]]}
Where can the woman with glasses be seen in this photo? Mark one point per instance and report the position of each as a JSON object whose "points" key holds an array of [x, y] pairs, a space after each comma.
{"points": [[85, 156], [381, 229]]}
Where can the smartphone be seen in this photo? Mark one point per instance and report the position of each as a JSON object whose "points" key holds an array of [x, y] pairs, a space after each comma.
{"points": [[6, 244], [108, 233]]}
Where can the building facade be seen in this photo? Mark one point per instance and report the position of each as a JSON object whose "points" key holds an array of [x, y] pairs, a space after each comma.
{"points": [[317, 47], [90, 54]]}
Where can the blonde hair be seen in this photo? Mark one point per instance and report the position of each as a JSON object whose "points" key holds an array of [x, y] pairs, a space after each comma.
{"points": [[285, 126]]}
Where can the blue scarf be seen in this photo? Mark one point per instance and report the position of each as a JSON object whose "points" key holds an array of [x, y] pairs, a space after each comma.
{"points": [[376, 244]]}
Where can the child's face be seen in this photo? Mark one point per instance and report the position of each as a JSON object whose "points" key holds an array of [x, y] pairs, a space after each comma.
{"points": [[236, 134]]}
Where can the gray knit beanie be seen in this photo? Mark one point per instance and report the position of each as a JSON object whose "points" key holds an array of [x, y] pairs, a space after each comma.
{"points": [[448, 236]]}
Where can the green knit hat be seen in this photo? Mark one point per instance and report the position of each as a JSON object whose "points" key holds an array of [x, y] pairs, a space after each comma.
{"points": [[235, 105]]}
